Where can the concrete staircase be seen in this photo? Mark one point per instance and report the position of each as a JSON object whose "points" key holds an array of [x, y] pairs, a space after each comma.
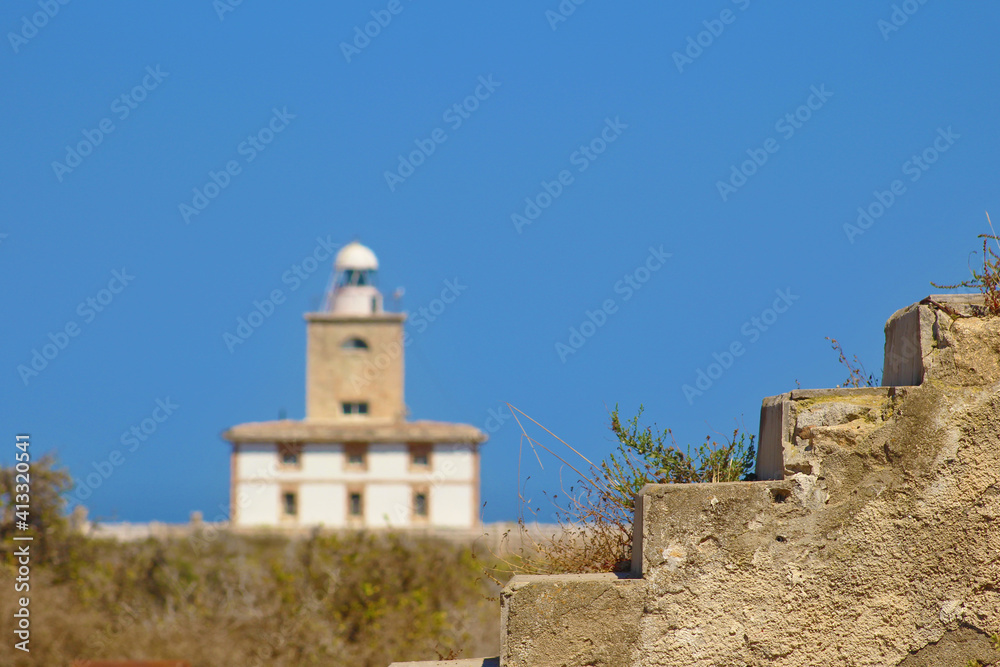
{"points": [[872, 537]]}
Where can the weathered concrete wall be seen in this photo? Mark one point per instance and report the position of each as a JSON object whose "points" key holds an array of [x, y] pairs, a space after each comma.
{"points": [[914, 333], [889, 545], [474, 662], [774, 433], [878, 543], [571, 619]]}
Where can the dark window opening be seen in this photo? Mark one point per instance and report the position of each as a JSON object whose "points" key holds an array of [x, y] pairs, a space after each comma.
{"points": [[354, 506], [354, 344], [420, 456], [290, 454], [290, 504], [420, 504], [356, 455], [359, 278]]}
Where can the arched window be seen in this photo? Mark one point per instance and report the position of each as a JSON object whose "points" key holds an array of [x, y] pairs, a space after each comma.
{"points": [[354, 344]]}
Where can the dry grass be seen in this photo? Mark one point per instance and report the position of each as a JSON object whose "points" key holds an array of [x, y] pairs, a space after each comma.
{"points": [[358, 599], [354, 600], [986, 281], [858, 375], [594, 512]]}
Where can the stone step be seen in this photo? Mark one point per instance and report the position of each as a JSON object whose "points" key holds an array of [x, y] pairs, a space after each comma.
{"points": [[467, 662], [570, 619]]}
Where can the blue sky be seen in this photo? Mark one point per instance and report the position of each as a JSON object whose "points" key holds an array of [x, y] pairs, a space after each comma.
{"points": [[829, 105]]}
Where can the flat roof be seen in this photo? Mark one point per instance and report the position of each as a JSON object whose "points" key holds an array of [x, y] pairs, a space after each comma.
{"points": [[291, 430]]}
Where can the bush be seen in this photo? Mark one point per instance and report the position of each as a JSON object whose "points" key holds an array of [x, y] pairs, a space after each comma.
{"points": [[986, 281], [46, 512], [595, 514], [220, 599]]}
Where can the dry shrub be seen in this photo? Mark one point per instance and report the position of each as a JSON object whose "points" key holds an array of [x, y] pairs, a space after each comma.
{"points": [[986, 281], [362, 599], [594, 514], [857, 376], [216, 599]]}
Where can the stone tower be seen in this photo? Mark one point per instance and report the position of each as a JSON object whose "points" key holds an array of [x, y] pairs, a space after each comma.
{"points": [[344, 380]]}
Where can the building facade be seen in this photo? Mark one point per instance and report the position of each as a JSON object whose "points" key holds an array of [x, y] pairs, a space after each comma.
{"points": [[355, 461]]}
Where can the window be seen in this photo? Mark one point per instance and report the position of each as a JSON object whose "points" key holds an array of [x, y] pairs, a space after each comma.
{"points": [[289, 504], [358, 277], [420, 457], [356, 454], [354, 504], [354, 344], [354, 408], [420, 504], [290, 455]]}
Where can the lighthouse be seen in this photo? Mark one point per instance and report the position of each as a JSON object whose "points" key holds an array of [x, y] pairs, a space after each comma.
{"points": [[354, 367], [354, 282], [355, 460]]}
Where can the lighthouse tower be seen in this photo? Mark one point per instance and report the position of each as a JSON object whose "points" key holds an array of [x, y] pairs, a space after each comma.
{"points": [[355, 349], [354, 291], [355, 461]]}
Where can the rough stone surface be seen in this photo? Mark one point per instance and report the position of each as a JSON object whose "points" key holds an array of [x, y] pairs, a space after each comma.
{"points": [[774, 431], [570, 619], [474, 662], [886, 550], [879, 545]]}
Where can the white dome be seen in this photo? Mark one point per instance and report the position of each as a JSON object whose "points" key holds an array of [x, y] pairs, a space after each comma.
{"points": [[357, 257]]}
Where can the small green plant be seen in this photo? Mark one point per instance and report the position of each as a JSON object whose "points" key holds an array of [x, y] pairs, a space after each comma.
{"points": [[857, 376], [988, 280], [972, 662], [595, 514], [665, 464], [995, 641]]}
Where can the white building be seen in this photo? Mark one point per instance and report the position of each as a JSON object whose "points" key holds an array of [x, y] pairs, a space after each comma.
{"points": [[355, 461]]}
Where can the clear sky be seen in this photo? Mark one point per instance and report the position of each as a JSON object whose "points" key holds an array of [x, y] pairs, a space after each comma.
{"points": [[174, 162]]}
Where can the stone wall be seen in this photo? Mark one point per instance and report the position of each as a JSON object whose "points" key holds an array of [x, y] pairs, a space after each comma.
{"points": [[872, 539]]}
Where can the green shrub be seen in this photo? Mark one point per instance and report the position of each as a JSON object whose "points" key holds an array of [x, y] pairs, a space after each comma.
{"points": [[221, 599], [595, 514]]}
